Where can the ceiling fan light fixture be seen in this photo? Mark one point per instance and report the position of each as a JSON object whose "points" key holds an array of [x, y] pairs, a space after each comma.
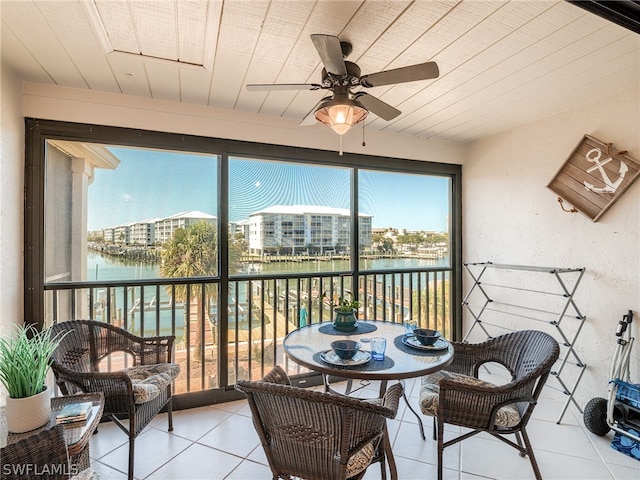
{"points": [[341, 114]]}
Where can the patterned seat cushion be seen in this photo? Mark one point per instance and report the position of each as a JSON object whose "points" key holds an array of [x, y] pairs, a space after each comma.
{"points": [[150, 380], [360, 460], [507, 416]]}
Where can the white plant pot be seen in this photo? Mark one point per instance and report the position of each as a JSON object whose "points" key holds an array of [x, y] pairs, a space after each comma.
{"points": [[24, 414]]}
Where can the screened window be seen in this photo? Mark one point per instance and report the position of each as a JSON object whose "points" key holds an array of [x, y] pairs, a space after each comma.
{"points": [[406, 219], [229, 245]]}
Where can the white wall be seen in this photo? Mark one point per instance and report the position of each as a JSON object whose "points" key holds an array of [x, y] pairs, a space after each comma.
{"points": [[74, 105], [11, 200], [510, 217], [11, 203]]}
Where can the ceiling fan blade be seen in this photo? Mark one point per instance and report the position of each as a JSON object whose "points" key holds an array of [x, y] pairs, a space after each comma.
{"points": [[422, 71], [310, 118], [330, 51], [377, 106], [272, 87]]}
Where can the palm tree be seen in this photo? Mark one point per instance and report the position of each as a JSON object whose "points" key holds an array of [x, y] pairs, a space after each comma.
{"points": [[193, 252]]}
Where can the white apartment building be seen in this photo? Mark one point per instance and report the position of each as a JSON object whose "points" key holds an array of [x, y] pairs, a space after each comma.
{"points": [[304, 228], [241, 226], [165, 227], [148, 232], [109, 234], [121, 234], [143, 232]]}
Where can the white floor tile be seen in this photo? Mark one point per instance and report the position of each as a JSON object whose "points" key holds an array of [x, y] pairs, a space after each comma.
{"points": [[608, 454], [409, 445], [249, 470], [220, 442], [486, 457], [567, 439], [195, 423], [236, 436], [153, 448], [556, 466], [198, 462], [105, 472], [108, 438], [625, 473], [258, 456]]}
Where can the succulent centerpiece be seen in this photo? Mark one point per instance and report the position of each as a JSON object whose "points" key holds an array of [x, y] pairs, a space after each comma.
{"points": [[345, 314]]}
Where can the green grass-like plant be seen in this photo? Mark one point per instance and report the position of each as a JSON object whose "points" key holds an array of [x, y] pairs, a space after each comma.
{"points": [[343, 304], [25, 359]]}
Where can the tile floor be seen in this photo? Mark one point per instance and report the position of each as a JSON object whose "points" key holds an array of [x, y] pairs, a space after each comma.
{"points": [[219, 442]]}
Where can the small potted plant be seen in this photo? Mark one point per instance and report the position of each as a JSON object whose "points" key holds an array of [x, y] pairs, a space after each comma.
{"points": [[345, 310], [25, 359]]}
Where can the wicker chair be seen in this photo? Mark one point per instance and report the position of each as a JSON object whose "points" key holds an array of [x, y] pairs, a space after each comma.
{"points": [[315, 435], [457, 397], [137, 393], [42, 455]]}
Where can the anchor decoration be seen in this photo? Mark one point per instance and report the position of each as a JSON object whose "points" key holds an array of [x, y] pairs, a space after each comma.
{"points": [[610, 187], [594, 176]]}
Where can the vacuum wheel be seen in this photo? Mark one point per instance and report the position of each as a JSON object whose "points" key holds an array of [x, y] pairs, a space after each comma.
{"points": [[595, 416]]}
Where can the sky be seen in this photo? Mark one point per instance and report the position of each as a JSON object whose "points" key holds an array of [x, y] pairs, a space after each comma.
{"points": [[156, 184]]}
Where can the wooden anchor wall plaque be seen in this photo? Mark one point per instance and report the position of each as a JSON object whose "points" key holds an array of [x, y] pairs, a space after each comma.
{"points": [[594, 176]]}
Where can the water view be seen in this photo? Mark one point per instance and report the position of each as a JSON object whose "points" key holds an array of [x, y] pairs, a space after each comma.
{"points": [[102, 268], [105, 269]]}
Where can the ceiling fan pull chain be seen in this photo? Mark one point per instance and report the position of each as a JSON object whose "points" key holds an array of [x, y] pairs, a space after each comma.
{"points": [[340, 153], [364, 144]]}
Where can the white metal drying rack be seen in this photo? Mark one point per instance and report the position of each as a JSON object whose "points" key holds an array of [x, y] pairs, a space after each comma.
{"points": [[568, 340]]}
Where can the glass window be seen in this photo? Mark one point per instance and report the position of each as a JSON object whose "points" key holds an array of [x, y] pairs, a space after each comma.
{"points": [[288, 213], [110, 210], [120, 232], [405, 217]]}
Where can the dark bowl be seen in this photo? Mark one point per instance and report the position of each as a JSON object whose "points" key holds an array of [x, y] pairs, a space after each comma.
{"points": [[426, 336], [345, 349]]}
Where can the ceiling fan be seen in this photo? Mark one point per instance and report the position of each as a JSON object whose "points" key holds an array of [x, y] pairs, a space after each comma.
{"points": [[346, 107]]}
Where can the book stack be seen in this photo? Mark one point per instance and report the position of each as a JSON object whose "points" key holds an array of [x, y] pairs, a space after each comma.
{"points": [[74, 414]]}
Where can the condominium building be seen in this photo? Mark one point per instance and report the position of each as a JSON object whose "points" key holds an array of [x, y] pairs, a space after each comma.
{"points": [[167, 226], [154, 230], [143, 232], [305, 228]]}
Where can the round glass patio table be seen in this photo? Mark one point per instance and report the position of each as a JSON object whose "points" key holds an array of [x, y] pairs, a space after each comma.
{"points": [[306, 345]]}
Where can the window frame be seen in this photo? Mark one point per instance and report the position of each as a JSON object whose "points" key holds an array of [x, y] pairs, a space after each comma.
{"points": [[38, 131]]}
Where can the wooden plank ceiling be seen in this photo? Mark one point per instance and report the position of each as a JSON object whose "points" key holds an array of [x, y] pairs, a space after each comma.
{"points": [[502, 63]]}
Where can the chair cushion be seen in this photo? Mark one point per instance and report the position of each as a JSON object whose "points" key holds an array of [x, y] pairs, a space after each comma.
{"points": [[150, 380], [507, 416], [360, 460]]}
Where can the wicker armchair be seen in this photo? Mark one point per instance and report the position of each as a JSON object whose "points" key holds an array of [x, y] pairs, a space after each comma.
{"points": [[316, 435], [42, 455], [137, 393], [457, 397]]}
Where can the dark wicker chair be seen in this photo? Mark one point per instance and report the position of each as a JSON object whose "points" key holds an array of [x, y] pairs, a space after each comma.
{"points": [[457, 397], [42, 455], [137, 393], [316, 435]]}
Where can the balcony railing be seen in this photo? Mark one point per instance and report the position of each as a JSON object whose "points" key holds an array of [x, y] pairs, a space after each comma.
{"points": [[223, 336]]}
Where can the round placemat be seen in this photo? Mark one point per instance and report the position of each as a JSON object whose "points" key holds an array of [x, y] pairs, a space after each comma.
{"points": [[415, 351], [362, 328], [371, 366]]}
